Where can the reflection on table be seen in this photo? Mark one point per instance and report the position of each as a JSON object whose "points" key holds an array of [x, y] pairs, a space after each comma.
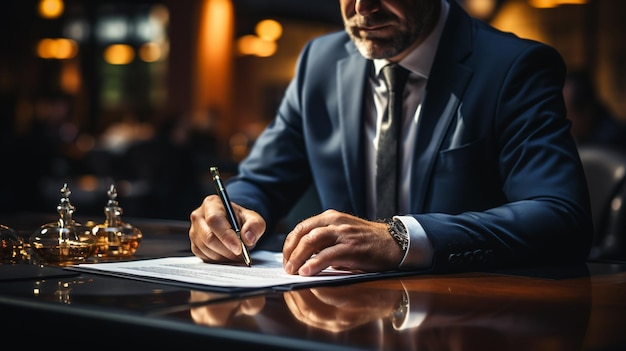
{"points": [[480, 312]]}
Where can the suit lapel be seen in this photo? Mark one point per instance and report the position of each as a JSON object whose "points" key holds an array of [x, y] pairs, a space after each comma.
{"points": [[351, 84], [444, 91]]}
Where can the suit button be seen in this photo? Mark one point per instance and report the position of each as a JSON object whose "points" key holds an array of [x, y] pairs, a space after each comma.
{"points": [[479, 256], [454, 258]]}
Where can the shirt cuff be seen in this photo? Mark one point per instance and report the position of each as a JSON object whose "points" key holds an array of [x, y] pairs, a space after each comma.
{"points": [[420, 252]]}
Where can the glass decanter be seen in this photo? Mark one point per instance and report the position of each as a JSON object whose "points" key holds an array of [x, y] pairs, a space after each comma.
{"points": [[10, 245], [114, 237], [65, 241]]}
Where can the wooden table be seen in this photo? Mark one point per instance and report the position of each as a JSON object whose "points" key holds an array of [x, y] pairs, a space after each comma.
{"points": [[548, 308]]}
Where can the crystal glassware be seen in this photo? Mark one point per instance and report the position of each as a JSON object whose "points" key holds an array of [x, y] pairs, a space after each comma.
{"points": [[10, 245], [65, 241], [114, 237]]}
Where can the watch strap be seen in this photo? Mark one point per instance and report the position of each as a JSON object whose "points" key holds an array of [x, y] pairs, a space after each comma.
{"points": [[398, 232]]}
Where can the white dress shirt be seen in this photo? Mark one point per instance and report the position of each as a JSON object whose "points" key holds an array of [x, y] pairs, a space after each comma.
{"points": [[419, 63]]}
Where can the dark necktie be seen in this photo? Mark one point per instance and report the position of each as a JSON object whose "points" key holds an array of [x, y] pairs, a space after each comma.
{"points": [[389, 141]]}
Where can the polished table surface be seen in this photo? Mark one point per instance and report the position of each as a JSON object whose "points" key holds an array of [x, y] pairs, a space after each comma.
{"points": [[548, 308]]}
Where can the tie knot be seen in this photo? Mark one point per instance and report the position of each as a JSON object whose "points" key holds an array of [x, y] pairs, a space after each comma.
{"points": [[395, 76]]}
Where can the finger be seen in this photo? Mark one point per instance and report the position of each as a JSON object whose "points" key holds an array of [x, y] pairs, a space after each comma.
{"points": [[197, 251], [219, 252], [252, 226], [301, 229], [307, 308], [221, 229], [307, 252], [197, 233], [229, 242], [212, 250], [253, 305], [300, 303], [322, 260], [292, 239]]}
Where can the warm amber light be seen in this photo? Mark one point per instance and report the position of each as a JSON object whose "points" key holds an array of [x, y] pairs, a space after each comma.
{"points": [[51, 8], [253, 45], [212, 66], [60, 48], [265, 48], [150, 52], [246, 44], [119, 54], [269, 30], [45, 48], [70, 79], [160, 13], [480, 8], [85, 142], [66, 48], [88, 182], [544, 4]]}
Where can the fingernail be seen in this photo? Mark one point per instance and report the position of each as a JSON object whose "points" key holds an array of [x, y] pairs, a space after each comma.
{"points": [[304, 271], [250, 237], [288, 267]]}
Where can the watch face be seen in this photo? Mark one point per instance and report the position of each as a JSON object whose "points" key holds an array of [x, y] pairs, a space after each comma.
{"points": [[399, 226], [399, 314], [399, 233]]}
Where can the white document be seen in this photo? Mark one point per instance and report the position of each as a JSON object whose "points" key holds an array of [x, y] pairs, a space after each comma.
{"points": [[266, 271]]}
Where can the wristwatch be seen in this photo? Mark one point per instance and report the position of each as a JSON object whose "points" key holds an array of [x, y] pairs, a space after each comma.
{"points": [[400, 312], [398, 232]]}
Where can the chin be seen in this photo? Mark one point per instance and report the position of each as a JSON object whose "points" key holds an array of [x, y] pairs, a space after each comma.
{"points": [[371, 50]]}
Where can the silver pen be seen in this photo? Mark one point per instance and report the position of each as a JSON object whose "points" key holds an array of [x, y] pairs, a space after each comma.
{"points": [[230, 213]]}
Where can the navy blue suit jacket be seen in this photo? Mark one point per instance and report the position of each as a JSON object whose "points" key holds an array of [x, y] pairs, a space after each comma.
{"points": [[497, 179]]}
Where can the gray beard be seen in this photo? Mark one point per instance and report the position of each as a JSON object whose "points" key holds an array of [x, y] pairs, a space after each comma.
{"points": [[381, 49]]}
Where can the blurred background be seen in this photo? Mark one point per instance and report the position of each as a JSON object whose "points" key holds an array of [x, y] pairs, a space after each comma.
{"points": [[147, 94]]}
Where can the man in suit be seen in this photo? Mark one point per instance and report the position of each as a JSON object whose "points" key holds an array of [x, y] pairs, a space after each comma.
{"points": [[490, 176]]}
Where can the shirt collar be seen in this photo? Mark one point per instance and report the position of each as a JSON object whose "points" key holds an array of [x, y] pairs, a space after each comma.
{"points": [[420, 60]]}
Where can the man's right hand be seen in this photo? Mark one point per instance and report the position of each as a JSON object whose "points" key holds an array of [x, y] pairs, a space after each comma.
{"points": [[213, 239]]}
